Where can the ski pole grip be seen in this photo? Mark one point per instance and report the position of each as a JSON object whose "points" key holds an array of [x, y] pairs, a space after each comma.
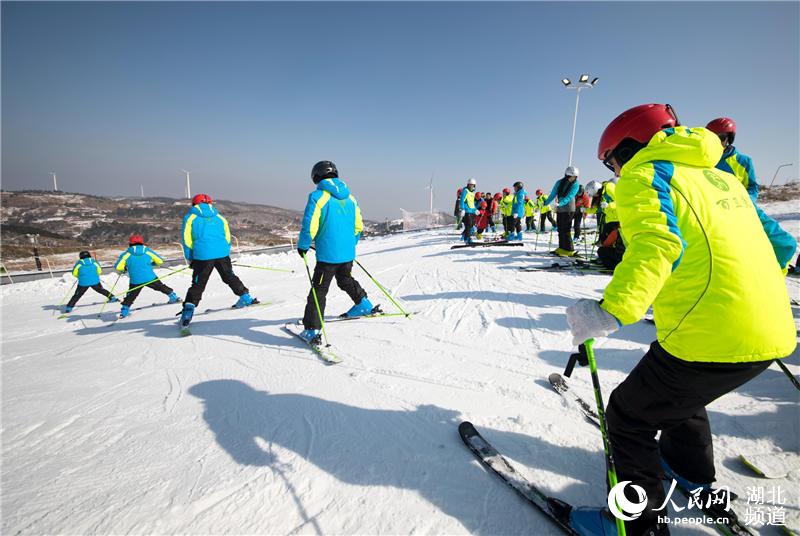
{"points": [[570, 365]]}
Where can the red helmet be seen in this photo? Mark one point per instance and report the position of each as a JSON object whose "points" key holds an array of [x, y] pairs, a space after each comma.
{"points": [[722, 125], [539, 191], [459, 191], [506, 191], [483, 204], [136, 239], [639, 123], [527, 198], [498, 197], [201, 198], [478, 195]]}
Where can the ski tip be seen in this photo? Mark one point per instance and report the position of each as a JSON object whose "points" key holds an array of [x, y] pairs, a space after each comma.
{"points": [[466, 428]]}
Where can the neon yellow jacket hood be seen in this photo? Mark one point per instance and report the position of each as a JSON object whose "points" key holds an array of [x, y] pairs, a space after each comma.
{"points": [[685, 223]]}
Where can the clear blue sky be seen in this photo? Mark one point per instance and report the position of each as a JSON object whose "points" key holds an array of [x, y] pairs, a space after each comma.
{"points": [[250, 95]]}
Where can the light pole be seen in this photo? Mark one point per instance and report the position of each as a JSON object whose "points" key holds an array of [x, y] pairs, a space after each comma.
{"points": [[188, 185], [776, 172], [582, 83]]}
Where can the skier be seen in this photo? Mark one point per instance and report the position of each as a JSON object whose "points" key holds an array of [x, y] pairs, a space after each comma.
{"points": [[564, 191], [467, 204], [332, 220], [207, 246], [530, 214], [138, 261], [544, 211], [684, 221], [481, 220], [491, 205], [582, 203], [517, 211], [732, 161], [505, 209], [88, 271], [457, 211], [741, 165]]}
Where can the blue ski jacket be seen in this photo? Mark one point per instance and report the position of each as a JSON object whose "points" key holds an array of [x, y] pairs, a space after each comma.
{"points": [[206, 234], [139, 261], [518, 206], [87, 271], [332, 220]]}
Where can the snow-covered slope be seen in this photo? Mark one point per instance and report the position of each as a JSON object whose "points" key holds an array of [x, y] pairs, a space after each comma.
{"points": [[127, 428]]}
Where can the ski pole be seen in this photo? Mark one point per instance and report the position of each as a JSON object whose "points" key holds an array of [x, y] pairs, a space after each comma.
{"points": [[588, 351], [145, 284], [550, 240], [788, 374], [65, 296], [264, 268], [585, 237], [316, 302], [382, 289], [110, 294]]}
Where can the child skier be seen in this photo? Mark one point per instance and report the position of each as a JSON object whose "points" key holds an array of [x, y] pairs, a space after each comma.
{"points": [[482, 220], [530, 214], [544, 211], [684, 221], [506, 204], [582, 203], [517, 211], [332, 220], [88, 271], [138, 260], [207, 247]]}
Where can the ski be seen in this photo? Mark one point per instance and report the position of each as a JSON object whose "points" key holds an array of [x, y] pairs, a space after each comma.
{"points": [[567, 267], [559, 385], [184, 331], [557, 510], [255, 303], [487, 244], [322, 351], [364, 317], [777, 465]]}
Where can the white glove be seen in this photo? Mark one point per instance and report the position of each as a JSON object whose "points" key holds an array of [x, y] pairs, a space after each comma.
{"points": [[588, 321], [553, 205], [583, 209], [603, 205]]}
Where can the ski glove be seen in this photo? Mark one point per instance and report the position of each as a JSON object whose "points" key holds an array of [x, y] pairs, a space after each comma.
{"points": [[302, 252], [587, 321], [603, 205]]}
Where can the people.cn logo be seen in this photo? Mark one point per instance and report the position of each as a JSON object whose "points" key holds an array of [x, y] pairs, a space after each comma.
{"points": [[620, 506]]}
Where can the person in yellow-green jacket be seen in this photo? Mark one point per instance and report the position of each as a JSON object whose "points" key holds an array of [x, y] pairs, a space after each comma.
{"points": [[530, 214], [506, 204], [544, 210], [684, 223]]}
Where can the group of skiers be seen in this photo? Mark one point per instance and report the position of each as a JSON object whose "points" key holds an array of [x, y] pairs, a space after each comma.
{"points": [[683, 199], [332, 220]]}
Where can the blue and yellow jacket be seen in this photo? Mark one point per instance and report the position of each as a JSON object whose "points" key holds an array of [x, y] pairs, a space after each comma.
{"points": [[741, 166], [332, 219], [540, 203], [87, 271], [467, 202], [609, 197], [685, 222], [139, 261], [205, 234], [530, 208], [518, 205]]}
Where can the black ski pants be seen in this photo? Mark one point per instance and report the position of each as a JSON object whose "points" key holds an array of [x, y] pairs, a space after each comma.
{"points": [[201, 271], [564, 224], [610, 256], [529, 223], [469, 223], [577, 220], [323, 275], [546, 216], [131, 295], [516, 224], [668, 394], [80, 291]]}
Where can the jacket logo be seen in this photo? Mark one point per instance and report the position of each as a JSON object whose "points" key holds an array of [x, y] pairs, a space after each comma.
{"points": [[716, 180]]}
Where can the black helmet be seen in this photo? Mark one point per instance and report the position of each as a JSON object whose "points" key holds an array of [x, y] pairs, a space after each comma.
{"points": [[324, 170], [518, 185], [84, 255]]}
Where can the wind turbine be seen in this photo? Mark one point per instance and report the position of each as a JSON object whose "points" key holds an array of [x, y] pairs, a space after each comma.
{"points": [[55, 183], [430, 187], [188, 185]]}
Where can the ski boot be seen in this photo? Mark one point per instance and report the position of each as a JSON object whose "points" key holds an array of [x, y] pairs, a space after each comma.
{"points": [[362, 308], [311, 336], [186, 315], [479, 236], [244, 301], [706, 491], [113, 299], [124, 311], [67, 309], [594, 521], [519, 237], [173, 298]]}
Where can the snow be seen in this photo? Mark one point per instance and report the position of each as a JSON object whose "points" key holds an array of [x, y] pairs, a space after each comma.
{"points": [[239, 429]]}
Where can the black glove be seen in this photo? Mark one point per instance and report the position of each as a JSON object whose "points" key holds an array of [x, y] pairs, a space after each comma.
{"points": [[302, 252]]}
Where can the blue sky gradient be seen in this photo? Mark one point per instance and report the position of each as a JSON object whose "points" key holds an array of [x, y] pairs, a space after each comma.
{"points": [[249, 95]]}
